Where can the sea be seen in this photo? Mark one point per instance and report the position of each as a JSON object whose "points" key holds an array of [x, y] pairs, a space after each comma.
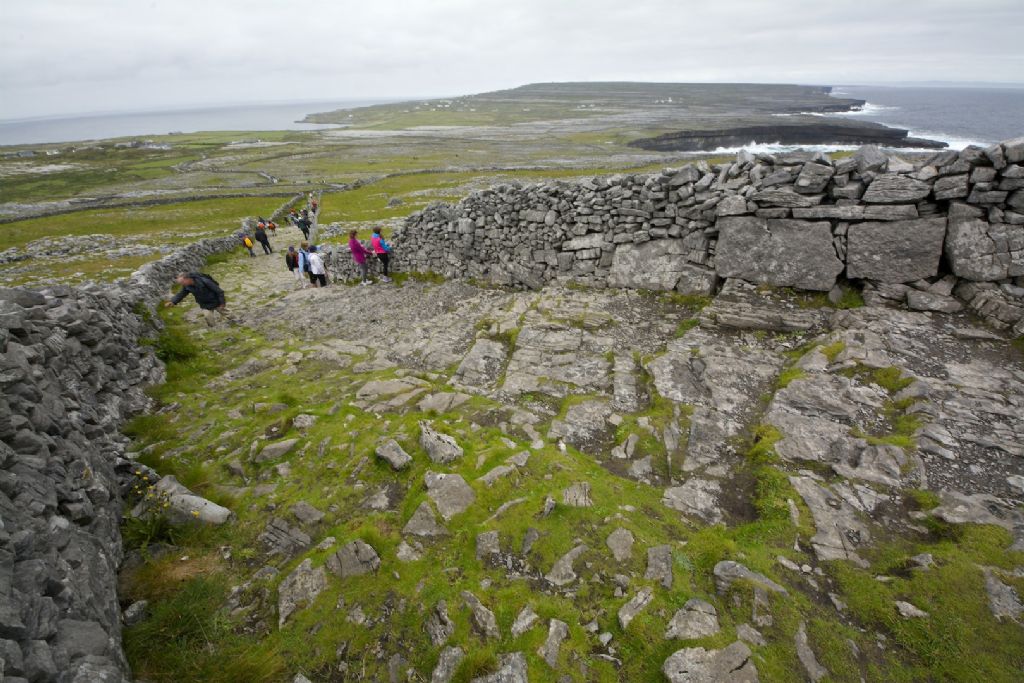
{"points": [[957, 115], [252, 117]]}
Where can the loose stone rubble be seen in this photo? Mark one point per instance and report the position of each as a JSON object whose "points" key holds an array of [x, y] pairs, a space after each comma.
{"points": [[667, 390]]}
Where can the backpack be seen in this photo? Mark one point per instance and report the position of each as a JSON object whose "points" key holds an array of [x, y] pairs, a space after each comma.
{"points": [[305, 260], [208, 282], [210, 279], [247, 242]]}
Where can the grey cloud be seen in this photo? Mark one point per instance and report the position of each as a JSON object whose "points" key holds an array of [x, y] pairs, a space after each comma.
{"points": [[62, 56]]}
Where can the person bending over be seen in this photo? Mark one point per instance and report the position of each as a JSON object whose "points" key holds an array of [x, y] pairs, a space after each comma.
{"points": [[207, 293]]}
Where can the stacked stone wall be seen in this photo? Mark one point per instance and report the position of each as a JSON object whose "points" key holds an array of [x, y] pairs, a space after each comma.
{"points": [[943, 231], [72, 370]]}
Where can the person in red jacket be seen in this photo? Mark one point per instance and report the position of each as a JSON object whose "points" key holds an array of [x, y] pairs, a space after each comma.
{"points": [[383, 252], [359, 254]]}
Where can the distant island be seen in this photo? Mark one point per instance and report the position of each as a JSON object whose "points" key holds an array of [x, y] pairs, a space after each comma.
{"points": [[684, 117]]}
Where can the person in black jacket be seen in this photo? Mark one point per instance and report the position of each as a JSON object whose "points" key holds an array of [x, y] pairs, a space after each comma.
{"points": [[206, 291], [261, 236]]}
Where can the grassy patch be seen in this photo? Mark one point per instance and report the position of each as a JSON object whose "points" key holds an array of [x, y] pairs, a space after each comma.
{"points": [[788, 375], [187, 638], [833, 350], [889, 378], [685, 326], [923, 499], [960, 639], [208, 215]]}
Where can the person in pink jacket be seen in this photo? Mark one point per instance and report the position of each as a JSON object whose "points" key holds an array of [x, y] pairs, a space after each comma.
{"points": [[359, 254], [383, 251]]}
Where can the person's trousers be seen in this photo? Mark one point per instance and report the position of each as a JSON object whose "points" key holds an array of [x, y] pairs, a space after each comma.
{"points": [[364, 270], [318, 280], [266, 248], [384, 259], [298, 275]]}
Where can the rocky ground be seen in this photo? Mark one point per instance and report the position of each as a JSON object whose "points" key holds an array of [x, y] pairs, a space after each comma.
{"points": [[429, 480]]}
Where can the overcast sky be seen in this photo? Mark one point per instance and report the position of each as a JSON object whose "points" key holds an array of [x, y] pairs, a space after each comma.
{"points": [[72, 56]]}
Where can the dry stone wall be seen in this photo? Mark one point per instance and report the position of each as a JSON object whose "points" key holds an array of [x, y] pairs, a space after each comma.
{"points": [[941, 232], [72, 369]]}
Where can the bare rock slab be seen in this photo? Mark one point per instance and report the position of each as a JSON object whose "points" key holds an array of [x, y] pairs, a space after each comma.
{"points": [[525, 620], [447, 664], [728, 571], [778, 252], [441, 448], [306, 513], [450, 493], [697, 619], [732, 664], [697, 497], [275, 450], [815, 671], [354, 559], [390, 452], [895, 251], [481, 619], [659, 565], [634, 606], [511, 669], [578, 495], [557, 632], [299, 589], [424, 523], [439, 626], [620, 542], [562, 573]]}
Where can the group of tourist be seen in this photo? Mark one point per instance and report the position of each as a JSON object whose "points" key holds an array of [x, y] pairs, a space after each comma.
{"points": [[306, 263], [260, 235]]}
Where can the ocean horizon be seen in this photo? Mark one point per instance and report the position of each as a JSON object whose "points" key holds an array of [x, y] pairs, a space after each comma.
{"points": [[959, 115], [40, 130]]}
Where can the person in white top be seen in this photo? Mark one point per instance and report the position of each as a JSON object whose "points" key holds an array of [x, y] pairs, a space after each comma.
{"points": [[317, 272]]}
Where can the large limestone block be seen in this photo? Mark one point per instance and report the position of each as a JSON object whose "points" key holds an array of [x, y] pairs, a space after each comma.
{"points": [[981, 251], [659, 264], [891, 188], [733, 664], [782, 253], [897, 251]]}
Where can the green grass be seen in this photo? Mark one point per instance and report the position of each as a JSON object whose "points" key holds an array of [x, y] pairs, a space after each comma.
{"points": [[960, 640], [889, 378], [833, 350], [788, 375], [214, 216], [188, 632], [685, 326], [187, 637], [923, 499]]}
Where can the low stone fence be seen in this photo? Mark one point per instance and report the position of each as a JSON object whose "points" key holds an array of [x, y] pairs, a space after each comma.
{"points": [[935, 234], [72, 370]]}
